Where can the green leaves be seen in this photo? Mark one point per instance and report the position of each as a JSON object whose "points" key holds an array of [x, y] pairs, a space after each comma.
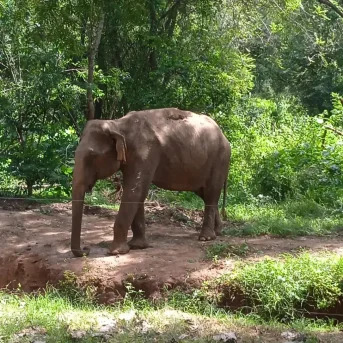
{"points": [[288, 286]]}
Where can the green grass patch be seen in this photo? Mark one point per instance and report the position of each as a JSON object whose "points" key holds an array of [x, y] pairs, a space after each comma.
{"points": [[291, 218], [225, 250], [286, 287], [181, 317]]}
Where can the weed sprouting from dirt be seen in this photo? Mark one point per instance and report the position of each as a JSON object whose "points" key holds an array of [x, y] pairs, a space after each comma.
{"points": [[71, 288], [193, 301], [134, 299]]}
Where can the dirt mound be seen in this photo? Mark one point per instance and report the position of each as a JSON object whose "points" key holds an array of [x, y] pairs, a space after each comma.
{"points": [[36, 248], [30, 271]]}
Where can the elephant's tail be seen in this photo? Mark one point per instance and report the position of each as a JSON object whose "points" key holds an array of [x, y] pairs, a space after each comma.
{"points": [[225, 185], [224, 200]]}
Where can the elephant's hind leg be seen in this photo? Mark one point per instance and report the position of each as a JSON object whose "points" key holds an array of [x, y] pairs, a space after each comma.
{"points": [[218, 226], [207, 231], [138, 240], [211, 217], [211, 198]]}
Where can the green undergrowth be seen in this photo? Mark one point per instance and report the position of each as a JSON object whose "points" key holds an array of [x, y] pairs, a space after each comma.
{"points": [[226, 250], [283, 288], [290, 218], [60, 315]]}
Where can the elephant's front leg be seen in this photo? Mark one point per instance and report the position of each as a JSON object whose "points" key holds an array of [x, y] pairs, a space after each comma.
{"points": [[138, 240], [135, 190], [207, 231]]}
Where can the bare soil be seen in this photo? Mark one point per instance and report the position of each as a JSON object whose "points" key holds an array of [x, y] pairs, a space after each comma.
{"points": [[35, 249]]}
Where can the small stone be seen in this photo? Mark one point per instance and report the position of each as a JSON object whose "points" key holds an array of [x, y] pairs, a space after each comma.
{"points": [[145, 327], [78, 334], [294, 337], [229, 337], [39, 342], [183, 336], [106, 324], [128, 316]]}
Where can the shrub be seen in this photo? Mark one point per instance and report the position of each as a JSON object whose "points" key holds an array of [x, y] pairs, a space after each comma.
{"points": [[283, 288]]}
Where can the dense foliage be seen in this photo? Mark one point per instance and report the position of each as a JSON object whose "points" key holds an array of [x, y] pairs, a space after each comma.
{"points": [[283, 288], [270, 73]]}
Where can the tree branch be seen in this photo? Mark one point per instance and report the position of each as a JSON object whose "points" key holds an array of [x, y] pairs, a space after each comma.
{"points": [[171, 19], [334, 130], [171, 9], [332, 6], [93, 48]]}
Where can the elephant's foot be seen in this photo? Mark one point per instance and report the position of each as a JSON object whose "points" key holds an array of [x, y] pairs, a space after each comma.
{"points": [[121, 248], [218, 230], [207, 235], [138, 243], [81, 253]]}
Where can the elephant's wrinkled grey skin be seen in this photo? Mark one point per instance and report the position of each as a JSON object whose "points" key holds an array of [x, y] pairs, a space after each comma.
{"points": [[173, 149]]}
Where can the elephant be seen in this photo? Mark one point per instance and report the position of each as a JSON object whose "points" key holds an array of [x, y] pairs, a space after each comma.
{"points": [[171, 148]]}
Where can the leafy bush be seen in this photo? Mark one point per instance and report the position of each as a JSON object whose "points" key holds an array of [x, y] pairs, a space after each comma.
{"points": [[282, 288], [44, 159], [278, 151]]}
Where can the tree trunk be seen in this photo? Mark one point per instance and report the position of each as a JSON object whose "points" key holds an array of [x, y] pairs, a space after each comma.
{"points": [[29, 186], [171, 19], [153, 31], [94, 42]]}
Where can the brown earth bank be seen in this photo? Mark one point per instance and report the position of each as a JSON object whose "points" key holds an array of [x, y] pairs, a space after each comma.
{"points": [[35, 250]]}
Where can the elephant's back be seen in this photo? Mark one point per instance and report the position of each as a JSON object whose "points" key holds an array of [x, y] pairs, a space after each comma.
{"points": [[179, 132], [169, 120]]}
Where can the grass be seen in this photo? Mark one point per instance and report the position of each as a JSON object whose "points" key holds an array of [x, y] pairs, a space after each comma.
{"points": [[225, 250], [275, 288], [54, 317], [286, 287], [292, 218]]}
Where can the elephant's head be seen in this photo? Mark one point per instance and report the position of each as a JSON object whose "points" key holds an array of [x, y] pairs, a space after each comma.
{"points": [[100, 153]]}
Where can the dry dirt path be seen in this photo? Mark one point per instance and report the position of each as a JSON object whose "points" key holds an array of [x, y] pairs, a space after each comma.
{"points": [[35, 250]]}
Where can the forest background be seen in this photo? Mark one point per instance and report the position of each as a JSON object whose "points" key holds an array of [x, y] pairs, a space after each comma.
{"points": [[269, 72]]}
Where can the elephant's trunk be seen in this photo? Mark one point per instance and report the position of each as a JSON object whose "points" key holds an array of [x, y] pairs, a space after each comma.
{"points": [[77, 211]]}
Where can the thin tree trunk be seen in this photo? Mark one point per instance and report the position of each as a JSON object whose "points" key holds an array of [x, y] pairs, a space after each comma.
{"points": [[153, 31], [332, 6], [118, 62], [171, 18], [93, 48], [29, 186]]}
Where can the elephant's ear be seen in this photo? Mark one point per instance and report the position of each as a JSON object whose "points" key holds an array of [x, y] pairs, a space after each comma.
{"points": [[120, 141]]}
